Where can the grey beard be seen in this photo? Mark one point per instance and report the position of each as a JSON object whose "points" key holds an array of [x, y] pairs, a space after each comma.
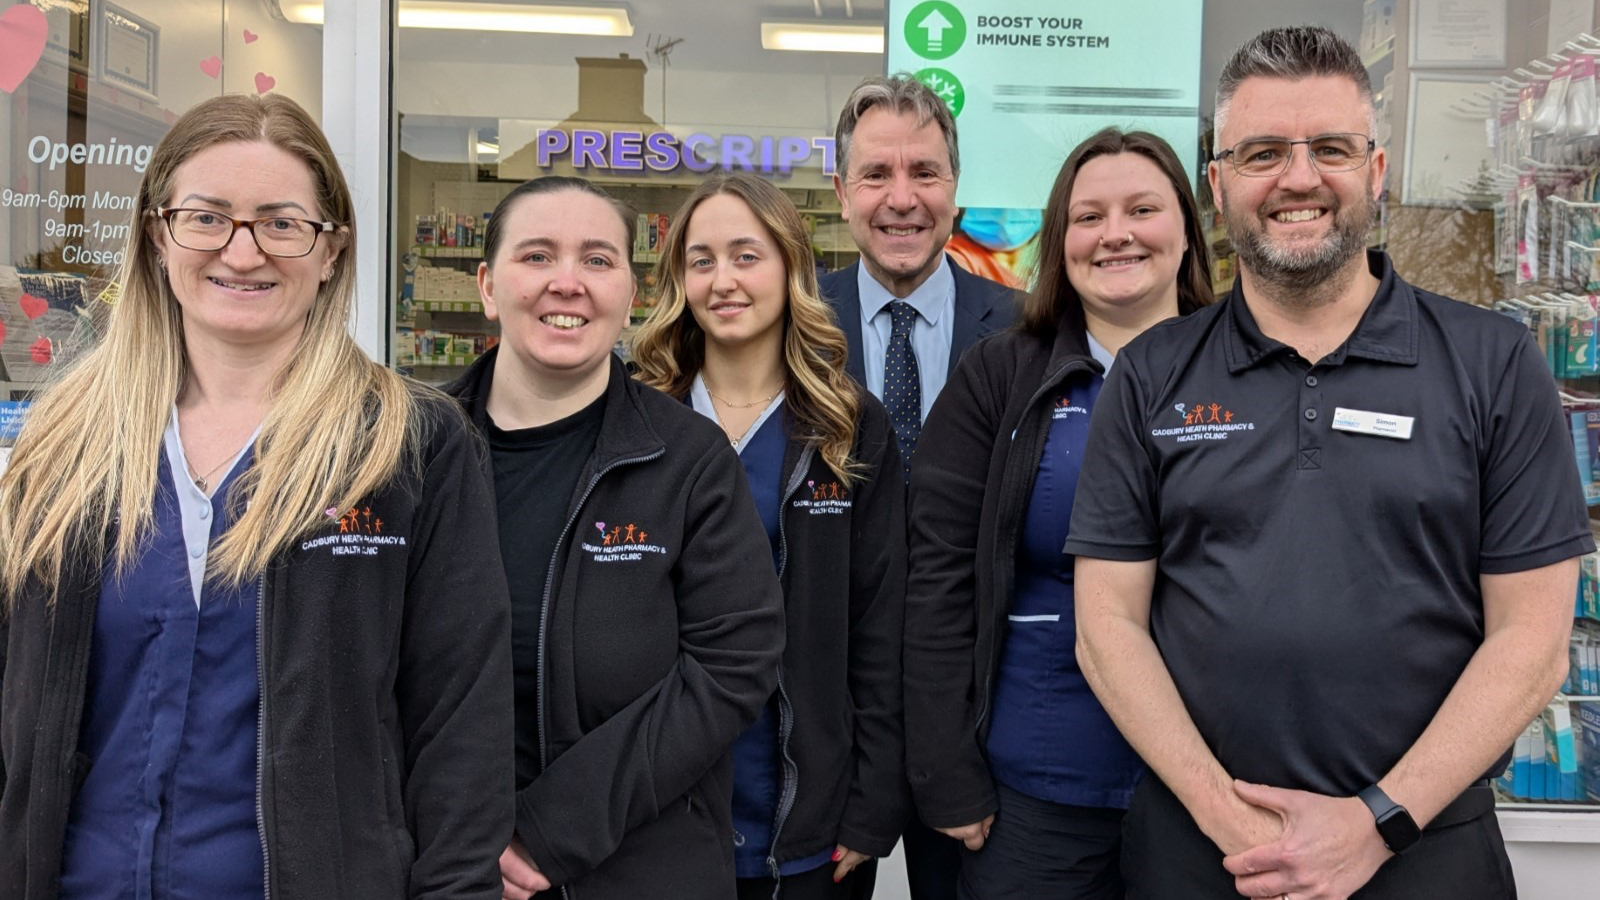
{"points": [[1302, 279]]}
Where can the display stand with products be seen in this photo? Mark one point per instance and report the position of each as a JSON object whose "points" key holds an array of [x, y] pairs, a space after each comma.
{"points": [[1543, 193]]}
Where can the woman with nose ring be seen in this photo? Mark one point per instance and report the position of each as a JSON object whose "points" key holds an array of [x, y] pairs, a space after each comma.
{"points": [[989, 607], [643, 640]]}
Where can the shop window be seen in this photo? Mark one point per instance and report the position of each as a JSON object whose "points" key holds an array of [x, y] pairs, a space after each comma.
{"points": [[481, 112], [87, 89]]}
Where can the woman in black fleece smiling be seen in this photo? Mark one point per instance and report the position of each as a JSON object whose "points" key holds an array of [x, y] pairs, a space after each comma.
{"points": [[643, 641]]}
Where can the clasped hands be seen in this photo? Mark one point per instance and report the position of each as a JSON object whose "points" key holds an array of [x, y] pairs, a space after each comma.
{"points": [[1305, 846]]}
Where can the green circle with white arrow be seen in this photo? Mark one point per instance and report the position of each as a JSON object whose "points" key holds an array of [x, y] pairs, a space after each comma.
{"points": [[936, 29], [946, 87]]}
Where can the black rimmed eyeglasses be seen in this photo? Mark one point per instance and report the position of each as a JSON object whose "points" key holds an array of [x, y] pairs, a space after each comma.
{"points": [[206, 230], [1266, 157]]}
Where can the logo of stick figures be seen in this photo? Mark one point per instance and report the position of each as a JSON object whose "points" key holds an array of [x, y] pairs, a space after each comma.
{"points": [[935, 30], [946, 87]]}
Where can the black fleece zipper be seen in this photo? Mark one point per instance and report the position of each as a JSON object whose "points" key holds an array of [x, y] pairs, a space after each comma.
{"points": [[544, 604]]}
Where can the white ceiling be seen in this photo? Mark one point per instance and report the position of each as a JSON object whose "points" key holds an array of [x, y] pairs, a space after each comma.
{"points": [[724, 35]]}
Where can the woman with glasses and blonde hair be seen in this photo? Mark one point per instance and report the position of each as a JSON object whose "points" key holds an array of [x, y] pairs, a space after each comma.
{"points": [[740, 334], [253, 628]]}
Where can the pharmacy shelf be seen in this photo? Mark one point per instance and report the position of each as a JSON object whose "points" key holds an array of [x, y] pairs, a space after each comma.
{"points": [[1573, 823]]}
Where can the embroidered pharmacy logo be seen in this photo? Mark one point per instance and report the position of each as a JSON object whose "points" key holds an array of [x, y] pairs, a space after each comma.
{"points": [[361, 533], [620, 543], [824, 498], [1064, 407], [1203, 422]]}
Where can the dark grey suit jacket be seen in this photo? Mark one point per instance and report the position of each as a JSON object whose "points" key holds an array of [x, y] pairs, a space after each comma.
{"points": [[982, 306]]}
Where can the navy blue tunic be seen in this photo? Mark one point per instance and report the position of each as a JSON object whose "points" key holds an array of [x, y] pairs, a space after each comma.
{"points": [[167, 810], [757, 762], [1049, 737]]}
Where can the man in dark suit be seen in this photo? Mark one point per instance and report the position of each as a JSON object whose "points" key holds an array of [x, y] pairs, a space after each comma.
{"points": [[909, 312]]}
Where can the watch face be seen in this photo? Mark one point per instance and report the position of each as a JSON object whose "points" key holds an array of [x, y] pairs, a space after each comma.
{"points": [[1398, 830]]}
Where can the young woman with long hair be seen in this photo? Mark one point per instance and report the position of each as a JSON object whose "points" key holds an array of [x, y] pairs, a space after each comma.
{"points": [[643, 641], [1008, 746], [740, 334], [253, 628]]}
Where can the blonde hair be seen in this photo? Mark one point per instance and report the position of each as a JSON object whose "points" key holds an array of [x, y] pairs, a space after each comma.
{"points": [[87, 460], [670, 346]]}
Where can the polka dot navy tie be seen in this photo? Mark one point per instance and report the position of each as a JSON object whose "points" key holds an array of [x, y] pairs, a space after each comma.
{"points": [[902, 382]]}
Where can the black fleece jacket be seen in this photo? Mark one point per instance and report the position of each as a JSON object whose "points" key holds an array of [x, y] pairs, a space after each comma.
{"points": [[385, 735], [843, 569], [976, 462], [661, 643]]}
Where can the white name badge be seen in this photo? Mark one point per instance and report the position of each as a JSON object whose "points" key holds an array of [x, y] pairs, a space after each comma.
{"points": [[1360, 421]]}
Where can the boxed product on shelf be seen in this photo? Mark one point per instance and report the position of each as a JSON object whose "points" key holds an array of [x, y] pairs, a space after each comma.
{"points": [[1586, 451], [1562, 783], [1586, 741]]}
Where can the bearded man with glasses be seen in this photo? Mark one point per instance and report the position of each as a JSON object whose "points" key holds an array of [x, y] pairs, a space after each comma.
{"points": [[1322, 620]]}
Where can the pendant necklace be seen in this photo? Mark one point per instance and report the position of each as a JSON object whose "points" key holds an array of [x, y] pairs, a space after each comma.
{"points": [[763, 401], [200, 481]]}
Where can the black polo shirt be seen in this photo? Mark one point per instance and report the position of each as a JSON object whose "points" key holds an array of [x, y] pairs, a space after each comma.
{"points": [[1318, 594]]}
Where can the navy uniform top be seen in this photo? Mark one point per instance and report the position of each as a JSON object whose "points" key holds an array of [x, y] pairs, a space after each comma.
{"points": [[167, 810], [757, 768], [1318, 593], [1049, 737]]}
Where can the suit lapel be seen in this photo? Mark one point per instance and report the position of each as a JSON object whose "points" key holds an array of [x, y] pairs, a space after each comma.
{"points": [[975, 299], [844, 294]]}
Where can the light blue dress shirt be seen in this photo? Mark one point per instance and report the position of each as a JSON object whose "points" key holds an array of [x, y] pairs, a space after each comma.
{"points": [[935, 303]]}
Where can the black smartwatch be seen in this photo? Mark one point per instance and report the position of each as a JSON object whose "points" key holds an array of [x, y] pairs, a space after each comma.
{"points": [[1398, 830]]}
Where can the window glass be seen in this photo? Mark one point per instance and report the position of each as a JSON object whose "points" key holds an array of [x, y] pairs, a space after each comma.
{"points": [[89, 87]]}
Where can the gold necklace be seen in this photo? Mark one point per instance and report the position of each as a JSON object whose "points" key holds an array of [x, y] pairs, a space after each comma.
{"points": [[762, 401], [731, 439]]}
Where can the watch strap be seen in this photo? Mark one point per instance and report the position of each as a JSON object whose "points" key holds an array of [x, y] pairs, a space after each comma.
{"points": [[1394, 823]]}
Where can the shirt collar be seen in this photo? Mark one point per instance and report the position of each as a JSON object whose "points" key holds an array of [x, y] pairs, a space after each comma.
{"points": [[1100, 354], [1387, 331], [929, 299]]}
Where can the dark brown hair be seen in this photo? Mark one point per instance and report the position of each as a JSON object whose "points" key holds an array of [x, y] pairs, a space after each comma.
{"points": [[550, 184], [1053, 295]]}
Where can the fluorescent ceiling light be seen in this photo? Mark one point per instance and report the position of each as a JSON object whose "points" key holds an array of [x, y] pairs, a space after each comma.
{"points": [[541, 18], [487, 149], [822, 37]]}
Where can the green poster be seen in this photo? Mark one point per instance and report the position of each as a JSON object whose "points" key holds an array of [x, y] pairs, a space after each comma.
{"points": [[1028, 79]]}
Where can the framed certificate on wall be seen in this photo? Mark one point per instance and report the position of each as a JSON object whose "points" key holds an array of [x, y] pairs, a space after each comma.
{"points": [[129, 51]]}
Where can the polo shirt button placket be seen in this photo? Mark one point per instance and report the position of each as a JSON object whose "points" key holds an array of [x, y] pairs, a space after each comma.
{"points": [[1310, 446]]}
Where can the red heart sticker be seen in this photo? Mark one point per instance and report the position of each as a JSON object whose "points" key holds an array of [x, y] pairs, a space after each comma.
{"points": [[211, 65], [265, 82], [41, 351], [33, 307], [250, 37], [2, 332], [22, 35]]}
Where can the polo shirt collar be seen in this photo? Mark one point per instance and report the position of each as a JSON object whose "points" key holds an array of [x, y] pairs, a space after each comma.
{"points": [[929, 299], [1387, 331]]}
